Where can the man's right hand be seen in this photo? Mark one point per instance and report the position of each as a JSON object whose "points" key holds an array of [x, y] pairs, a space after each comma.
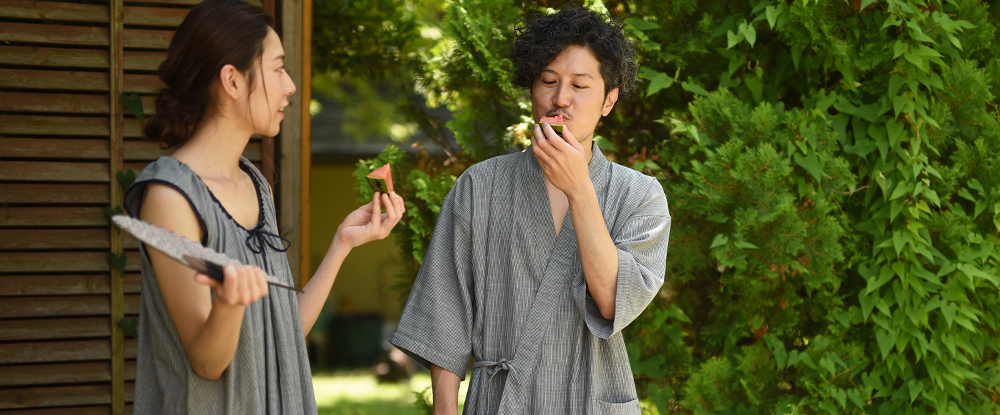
{"points": [[445, 387]]}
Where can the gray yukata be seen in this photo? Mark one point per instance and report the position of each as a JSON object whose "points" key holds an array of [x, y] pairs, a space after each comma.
{"points": [[498, 285], [269, 373]]}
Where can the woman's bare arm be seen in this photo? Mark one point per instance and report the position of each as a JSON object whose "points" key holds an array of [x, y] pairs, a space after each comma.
{"points": [[209, 332]]}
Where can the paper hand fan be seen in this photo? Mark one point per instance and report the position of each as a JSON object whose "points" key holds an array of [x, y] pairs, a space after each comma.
{"points": [[183, 250]]}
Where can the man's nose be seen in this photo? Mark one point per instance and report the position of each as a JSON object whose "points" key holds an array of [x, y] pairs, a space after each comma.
{"points": [[563, 96]]}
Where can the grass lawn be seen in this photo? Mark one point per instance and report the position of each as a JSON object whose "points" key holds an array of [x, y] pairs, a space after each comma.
{"points": [[358, 393]]}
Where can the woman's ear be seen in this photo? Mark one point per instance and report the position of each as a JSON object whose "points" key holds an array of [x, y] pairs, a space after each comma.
{"points": [[232, 82]]}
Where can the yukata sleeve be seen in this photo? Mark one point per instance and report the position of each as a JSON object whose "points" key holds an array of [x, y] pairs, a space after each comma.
{"points": [[436, 324], [642, 255]]}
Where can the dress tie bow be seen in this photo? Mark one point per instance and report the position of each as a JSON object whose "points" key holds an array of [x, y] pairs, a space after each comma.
{"points": [[258, 238]]}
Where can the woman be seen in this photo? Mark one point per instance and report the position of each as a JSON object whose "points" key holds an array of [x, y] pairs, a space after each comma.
{"points": [[235, 347]]}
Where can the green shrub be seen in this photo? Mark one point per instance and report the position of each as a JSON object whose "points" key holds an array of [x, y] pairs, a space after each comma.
{"points": [[831, 168]]}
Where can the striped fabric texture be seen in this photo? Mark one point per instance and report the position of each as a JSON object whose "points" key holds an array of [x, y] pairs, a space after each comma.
{"points": [[498, 286], [270, 372]]}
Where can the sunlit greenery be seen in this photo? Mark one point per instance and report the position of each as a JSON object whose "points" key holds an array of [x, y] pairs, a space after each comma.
{"points": [[831, 168]]}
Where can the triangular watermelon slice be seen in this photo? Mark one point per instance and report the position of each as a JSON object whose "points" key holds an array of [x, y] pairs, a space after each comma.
{"points": [[381, 179], [556, 122]]}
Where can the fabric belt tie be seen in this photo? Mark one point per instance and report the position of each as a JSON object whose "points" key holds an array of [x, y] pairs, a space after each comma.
{"points": [[258, 238], [492, 368]]}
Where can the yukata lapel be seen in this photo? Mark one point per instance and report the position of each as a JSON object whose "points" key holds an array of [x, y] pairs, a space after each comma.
{"points": [[563, 263], [537, 213]]}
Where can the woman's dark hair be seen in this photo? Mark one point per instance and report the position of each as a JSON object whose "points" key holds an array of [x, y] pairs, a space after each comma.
{"points": [[541, 38], [214, 34]]}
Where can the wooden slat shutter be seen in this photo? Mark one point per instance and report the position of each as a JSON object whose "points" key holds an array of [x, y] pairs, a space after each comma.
{"points": [[64, 137]]}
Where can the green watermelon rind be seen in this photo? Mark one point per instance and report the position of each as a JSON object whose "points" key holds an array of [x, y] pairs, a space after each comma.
{"points": [[555, 127], [378, 185]]}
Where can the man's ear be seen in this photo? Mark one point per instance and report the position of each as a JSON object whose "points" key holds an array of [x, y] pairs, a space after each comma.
{"points": [[609, 102], [232, 81]]}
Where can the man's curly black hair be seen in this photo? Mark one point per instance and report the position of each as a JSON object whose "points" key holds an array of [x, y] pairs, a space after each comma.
{"points": [[540, 39]]}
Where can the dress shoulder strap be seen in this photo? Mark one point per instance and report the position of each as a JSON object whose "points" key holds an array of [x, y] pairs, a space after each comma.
{"points": [[171, 172]]}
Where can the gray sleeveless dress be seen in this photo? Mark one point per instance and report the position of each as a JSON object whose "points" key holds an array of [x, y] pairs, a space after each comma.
{"points": [[270, 372]]}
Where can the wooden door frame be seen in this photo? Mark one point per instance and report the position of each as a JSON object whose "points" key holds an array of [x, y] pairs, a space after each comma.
{"points": [[293, 147]]}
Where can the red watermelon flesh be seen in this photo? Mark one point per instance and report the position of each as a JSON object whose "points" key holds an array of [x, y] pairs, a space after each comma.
{"points": [[556, 122], [381, 179]]}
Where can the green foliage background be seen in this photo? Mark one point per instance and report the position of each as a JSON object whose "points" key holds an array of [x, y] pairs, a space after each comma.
{"points": [[831, 168]]}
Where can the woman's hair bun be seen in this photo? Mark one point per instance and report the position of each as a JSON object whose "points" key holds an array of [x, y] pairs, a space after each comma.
{"points": [[173, 122]]}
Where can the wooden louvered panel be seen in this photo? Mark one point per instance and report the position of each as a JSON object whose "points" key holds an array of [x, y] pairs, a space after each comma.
{"points": [[148, 39], [50, 329], [193, 2], [143, 84], [64, 103], [53, 125], [50, 34], [143, 61], [45, 239], [75, 80], [76, 58], [50, 352], [75, 103], [54, 148], [52, 216], [132, 129], [130, 369], [63, 306], [84, 372], [12, 262], [53, 171], [90, 13], [63, 351], [84, 305], [54, 57], [18, 285], [54, 261], [48, 10], [92, 149], [76, 410], [144, 150], [154, 16], [33, 397], [95, 149], [53, 193], [65, 80], [35, 239]]}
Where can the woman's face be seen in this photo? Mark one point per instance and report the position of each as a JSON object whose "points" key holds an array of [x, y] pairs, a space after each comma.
{"points": [[271, 89]]}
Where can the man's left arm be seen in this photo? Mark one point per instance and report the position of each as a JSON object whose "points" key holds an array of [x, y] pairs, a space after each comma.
{"points": [[598, 254]]}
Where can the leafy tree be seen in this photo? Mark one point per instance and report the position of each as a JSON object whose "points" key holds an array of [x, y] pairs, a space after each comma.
{"points": [[831, 168]]}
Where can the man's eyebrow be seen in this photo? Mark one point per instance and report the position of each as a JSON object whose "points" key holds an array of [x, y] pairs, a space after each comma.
{"points": [[584, 74]]}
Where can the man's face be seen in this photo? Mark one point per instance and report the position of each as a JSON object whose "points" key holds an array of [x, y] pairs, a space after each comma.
{"points": [[572, 85]]}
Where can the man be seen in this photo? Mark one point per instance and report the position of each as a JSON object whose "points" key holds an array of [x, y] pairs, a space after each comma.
{"points": [[536, 295]]}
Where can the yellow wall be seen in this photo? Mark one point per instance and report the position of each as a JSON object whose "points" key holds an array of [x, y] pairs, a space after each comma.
{"points": [[360, 285]]}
